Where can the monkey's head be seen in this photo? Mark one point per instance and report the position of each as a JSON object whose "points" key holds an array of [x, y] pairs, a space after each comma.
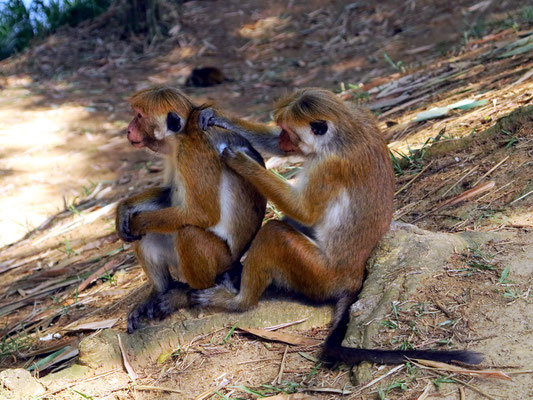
{"points": [[310, 120], [159, 112]]}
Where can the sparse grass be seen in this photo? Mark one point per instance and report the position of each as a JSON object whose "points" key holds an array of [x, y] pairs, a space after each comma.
{"points": [[505, 274], [107, 277], [477, 261], [14, 344], [389, 324], [526, 15], [230, 333], [413, 159], [356, 90], [83, 396], [513, 294], [383, 391], [398, 66], [443, 379], [68, 249], [510, 140]]}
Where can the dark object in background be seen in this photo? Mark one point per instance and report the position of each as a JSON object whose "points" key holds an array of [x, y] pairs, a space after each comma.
{"points": [[205, 76]]}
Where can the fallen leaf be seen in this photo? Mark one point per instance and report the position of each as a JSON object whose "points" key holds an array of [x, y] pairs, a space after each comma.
{"points": [[461, 370], [92, 326], [282, 337]]}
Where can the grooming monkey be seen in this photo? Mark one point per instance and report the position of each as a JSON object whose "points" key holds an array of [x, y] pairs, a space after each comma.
{"points": [[202, 219], [337, 212]]}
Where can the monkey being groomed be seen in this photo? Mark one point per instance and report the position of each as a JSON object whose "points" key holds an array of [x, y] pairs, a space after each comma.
{"points": [[201, 221], [338, 210]]}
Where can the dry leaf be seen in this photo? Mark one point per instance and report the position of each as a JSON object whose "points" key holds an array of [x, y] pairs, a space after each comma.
{"points": [[108, 266], [131, 372], [92, 326], [461, 370], [282, 337]]}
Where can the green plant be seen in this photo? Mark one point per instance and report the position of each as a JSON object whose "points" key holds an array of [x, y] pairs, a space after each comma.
{"points": [[443, 379], [107, 277], [505, 275], [229, 334], [87, 397], [410, 160], [389, 324], [382, 392], [68, 250], [513, 294], [12, 344], [398, 66], [510, 140], [21, 21]]}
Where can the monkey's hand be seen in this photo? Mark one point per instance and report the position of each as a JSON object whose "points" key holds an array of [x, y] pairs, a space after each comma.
{"points": [[123, 223], [238, 161], [209, 117], [137, 225]]}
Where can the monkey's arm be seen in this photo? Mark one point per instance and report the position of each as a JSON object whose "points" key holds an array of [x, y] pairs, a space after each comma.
{"points": [[263, 137], [150, 199], [292, 202], [169, 220]]}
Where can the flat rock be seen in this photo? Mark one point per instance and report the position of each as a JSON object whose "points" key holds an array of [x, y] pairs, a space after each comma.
{"points": [[18, 384], [406, 257]]}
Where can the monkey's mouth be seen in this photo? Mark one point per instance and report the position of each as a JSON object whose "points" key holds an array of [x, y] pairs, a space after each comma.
{"points": [[285, 141], [137, 144]]}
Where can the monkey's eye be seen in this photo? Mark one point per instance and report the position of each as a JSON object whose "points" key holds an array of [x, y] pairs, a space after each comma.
{"points": [[319, 127], [139, 115], [173, 122]]}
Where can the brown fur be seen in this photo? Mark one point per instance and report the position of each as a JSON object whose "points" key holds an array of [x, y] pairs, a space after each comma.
{"points": [[351, 171], [180, 223], [345, 195]]}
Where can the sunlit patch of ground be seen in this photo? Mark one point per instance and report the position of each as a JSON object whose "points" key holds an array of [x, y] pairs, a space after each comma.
{"points": [[46, 160]]}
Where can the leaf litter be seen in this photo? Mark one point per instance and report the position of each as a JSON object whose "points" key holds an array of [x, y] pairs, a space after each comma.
{"points": [[49, 287]]}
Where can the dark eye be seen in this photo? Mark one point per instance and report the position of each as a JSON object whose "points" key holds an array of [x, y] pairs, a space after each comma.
{"points": [[173, 122], [319, 127], [139, 115]]}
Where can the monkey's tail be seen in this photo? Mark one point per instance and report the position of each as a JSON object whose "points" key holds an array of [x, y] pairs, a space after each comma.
{"points": [[334, 351]]}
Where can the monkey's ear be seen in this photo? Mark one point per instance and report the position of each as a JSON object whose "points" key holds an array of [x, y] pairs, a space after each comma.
{"points": [[173, 122], [319, 127]]}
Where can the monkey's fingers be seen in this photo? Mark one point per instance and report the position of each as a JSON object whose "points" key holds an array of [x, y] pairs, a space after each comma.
{"points": [[134, 320], [145, 309], [228, 154], [206, 118]]}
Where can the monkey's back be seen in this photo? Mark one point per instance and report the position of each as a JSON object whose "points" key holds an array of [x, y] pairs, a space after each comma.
{"points": [[359, 211]]}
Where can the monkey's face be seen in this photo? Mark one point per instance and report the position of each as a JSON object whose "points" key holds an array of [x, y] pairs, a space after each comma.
{"points": [[152, 132], [305, 138]]}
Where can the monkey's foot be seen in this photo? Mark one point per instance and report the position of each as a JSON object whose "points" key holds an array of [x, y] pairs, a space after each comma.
{"points": [[170, 301], [222, 296], [157, 306], [145, 309]]}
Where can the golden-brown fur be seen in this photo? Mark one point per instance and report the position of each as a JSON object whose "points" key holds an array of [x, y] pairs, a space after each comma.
{"points": [[344, 197], [200, 222]]}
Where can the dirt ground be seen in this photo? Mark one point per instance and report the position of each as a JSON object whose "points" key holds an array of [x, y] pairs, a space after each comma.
{"points": [[65, 163]]}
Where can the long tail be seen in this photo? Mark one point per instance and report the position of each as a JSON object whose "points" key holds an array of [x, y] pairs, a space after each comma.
{"points": [[334, 351]]}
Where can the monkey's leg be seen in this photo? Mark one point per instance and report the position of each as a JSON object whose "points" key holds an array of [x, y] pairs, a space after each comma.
{"points": [[279, 254], [155, 253], [203, 256]]}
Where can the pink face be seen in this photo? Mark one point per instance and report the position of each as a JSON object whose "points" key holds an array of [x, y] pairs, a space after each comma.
{"points": [[287, 140], [137, 129]]}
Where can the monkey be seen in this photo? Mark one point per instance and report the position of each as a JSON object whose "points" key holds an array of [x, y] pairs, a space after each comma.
{"points": [[202, 219], [205, 76], [338, 210]]}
